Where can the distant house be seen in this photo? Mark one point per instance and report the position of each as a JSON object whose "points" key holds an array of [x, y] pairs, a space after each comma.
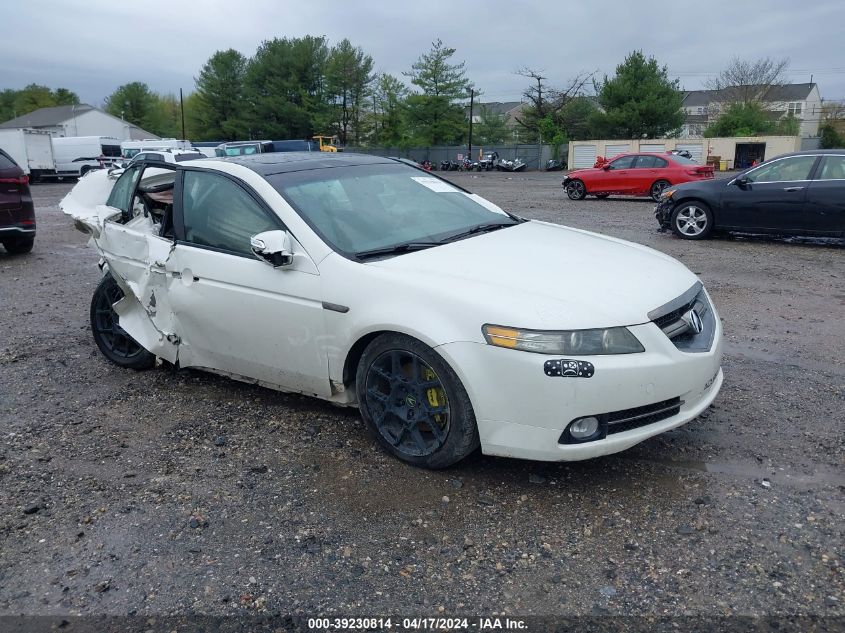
{"points": [[79, 120], [702, 107], [508, 110]]}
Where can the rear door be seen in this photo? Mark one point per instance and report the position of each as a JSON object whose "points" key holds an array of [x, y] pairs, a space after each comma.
{"points": [[647, 170], [773, 199], [825, 209]]}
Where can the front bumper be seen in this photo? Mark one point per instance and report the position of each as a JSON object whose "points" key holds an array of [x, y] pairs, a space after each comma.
{"points": [[663, 213], [522, 412]]}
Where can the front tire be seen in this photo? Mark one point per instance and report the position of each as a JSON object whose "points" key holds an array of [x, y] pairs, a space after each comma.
{"points": [[576, 190], [413, 402], [657, 189], [113, 341], [692, 220]]}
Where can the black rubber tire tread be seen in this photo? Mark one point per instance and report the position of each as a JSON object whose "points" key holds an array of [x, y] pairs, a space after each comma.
{"points": [[463, 430], [141, 360], [708, 230], [654, 184], [19, 245], [583, 190]]}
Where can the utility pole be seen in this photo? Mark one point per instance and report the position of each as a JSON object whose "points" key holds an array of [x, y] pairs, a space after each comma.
{"points": [[375, 120], [182, 108], [471, 104]]}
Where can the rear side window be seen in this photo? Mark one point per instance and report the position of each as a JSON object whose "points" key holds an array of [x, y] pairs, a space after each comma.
{"points": [[833, 168], [650, 162], [219, 213]]}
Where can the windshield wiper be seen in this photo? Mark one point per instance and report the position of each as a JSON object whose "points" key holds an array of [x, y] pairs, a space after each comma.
{"points": [[398, 249], [481, 228]]}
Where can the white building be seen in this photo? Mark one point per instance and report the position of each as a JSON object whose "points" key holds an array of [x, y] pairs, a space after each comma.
{"points": [[79, 120], [702, 107]]}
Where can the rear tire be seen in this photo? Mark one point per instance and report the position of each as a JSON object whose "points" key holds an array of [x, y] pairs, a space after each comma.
{"points": [[113, 341], [692, 220], [18, 245], [413, 402], [657, 189], [576, 190]]}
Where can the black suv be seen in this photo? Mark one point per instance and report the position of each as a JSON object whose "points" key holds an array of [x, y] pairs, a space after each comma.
{"points": [[17, 213]]}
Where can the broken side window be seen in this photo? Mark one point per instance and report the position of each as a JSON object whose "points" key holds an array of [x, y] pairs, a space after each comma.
{"points": [[121, 194]]}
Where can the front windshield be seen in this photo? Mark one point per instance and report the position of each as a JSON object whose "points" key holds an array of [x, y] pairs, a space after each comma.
{"points": [[367, 207]]}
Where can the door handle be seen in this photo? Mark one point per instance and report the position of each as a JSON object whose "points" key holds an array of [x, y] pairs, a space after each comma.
{"points": [[792, 189]]}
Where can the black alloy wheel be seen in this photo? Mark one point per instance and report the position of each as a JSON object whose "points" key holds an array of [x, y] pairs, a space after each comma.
{"points": [[113, 341], [414, 403]]}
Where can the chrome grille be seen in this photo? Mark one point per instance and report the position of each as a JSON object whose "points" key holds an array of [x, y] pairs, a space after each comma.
{"points": [[675, 320]]}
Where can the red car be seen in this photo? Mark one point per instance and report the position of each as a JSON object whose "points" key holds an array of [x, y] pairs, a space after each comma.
{"points": [[634, 175], [17, 213]]}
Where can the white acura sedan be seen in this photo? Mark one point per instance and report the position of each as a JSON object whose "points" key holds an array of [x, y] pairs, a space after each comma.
{"points": [[364, 281]]}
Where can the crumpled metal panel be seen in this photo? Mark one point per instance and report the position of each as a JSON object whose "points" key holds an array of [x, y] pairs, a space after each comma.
{"points": [[136, 257]]}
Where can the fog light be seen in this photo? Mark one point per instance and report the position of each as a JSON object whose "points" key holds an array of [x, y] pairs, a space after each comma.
{"points": [[584, 428]]}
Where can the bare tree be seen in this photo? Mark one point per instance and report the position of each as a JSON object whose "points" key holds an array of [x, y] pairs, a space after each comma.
{"points": [[543, 99], [746, 81]]}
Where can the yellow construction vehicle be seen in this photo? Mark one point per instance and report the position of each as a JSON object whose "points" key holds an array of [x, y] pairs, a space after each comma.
{"points": [[327, 143]]}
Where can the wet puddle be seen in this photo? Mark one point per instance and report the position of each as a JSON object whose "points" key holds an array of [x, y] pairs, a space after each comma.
{"points": [[744, 470]]}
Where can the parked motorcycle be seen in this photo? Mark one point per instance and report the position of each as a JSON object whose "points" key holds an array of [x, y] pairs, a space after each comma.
{"points": [[556, 165]]}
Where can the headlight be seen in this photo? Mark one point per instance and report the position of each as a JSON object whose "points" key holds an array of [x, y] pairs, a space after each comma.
{"points": [[668, 193], [614, 340]]}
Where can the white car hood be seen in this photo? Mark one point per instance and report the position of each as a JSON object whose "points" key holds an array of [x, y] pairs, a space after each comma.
{"points": [[540, 275]]}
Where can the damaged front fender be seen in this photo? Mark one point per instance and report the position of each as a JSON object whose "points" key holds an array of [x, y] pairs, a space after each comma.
{"points": [[663, 213]]}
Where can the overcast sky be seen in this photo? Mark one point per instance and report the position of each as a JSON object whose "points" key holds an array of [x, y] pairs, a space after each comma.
{"points": [[93, 46]]}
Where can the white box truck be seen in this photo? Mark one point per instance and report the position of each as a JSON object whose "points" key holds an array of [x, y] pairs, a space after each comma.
{"points": [[31, 149], [77, 155]]}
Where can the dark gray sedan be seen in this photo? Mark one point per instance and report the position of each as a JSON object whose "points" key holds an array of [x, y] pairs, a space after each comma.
{"points": [[794, 194]]}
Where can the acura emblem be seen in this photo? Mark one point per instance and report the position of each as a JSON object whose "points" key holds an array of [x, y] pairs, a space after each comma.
{"points": [[693, 321]]}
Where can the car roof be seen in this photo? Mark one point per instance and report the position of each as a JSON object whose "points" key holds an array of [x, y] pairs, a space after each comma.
{"points": [[283, 162], [813, 152]]}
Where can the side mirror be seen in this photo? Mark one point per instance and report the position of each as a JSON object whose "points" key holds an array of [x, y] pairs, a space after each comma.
{"points": [[740, 181], [606, 166], [273, 247]]}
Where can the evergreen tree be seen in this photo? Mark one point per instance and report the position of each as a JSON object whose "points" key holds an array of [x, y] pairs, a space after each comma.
{"points": [[284, 89], [436, 113], [640, 101], [219, 103], [348, 80]]}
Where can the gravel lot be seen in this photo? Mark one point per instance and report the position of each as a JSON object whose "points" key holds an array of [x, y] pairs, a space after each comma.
{"points": [[172, 493]]}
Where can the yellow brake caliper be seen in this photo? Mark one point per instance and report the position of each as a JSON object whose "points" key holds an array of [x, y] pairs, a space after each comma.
{"points": [[436, 397]]}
